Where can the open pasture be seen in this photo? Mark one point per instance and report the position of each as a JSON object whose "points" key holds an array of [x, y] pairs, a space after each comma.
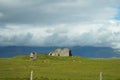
{"points": [[59, 68]]}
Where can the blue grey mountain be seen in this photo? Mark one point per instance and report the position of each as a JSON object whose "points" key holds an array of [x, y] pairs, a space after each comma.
{"points": [[85, 51]]}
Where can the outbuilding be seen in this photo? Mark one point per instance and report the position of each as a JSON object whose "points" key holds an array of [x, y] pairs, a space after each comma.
{"points": [[61, 52]]}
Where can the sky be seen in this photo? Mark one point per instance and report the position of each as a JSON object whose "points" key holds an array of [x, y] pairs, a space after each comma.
{"points": [[60, 23]]}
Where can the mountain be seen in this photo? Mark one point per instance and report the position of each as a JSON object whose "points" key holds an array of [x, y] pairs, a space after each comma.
{"points": [[95, 52], [85, 51]]}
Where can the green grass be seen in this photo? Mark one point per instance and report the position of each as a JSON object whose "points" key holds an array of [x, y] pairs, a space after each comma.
{"points": [[58, 68]]}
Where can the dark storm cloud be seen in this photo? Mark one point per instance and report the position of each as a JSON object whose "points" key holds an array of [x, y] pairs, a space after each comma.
{"points": [[50, 12], [16, 40]]}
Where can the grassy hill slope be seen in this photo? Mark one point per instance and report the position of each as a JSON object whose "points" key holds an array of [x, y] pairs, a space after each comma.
{"points": [[58, 68]]}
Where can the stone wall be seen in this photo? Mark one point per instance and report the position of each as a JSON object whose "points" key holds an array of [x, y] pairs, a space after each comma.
{"points": [[61, 52]]}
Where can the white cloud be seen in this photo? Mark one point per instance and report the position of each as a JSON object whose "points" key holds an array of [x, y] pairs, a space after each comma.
{"points": [[59, 23], [104, 34]]}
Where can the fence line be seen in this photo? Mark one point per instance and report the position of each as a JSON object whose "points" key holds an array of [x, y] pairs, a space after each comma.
{"points": [[31, 75], [100, 75]]}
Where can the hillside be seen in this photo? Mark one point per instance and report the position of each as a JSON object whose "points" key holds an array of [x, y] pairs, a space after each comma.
{"points": [[59, 68], [86, 51]]}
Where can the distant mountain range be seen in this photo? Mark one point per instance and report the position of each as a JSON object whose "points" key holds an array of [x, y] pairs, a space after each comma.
{"points": [[84, 51]]}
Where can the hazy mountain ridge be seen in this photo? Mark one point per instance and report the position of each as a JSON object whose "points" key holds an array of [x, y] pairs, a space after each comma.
{"points": [[86, 51]]}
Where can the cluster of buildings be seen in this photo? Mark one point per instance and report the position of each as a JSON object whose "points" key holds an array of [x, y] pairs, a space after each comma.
{"points": [[57, 52]]}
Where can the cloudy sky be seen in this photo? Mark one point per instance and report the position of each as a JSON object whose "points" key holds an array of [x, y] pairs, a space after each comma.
{"points": [[60, 23]]}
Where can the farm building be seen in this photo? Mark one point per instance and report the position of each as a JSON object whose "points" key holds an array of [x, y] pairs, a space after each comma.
{"points": [[61, 52]]}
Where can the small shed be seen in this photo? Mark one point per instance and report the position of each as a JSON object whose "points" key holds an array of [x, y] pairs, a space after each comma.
{"points": [[33, 55]]}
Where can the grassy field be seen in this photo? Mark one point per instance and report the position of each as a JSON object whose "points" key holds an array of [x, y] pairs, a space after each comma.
{"points": [[59, 68]]}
